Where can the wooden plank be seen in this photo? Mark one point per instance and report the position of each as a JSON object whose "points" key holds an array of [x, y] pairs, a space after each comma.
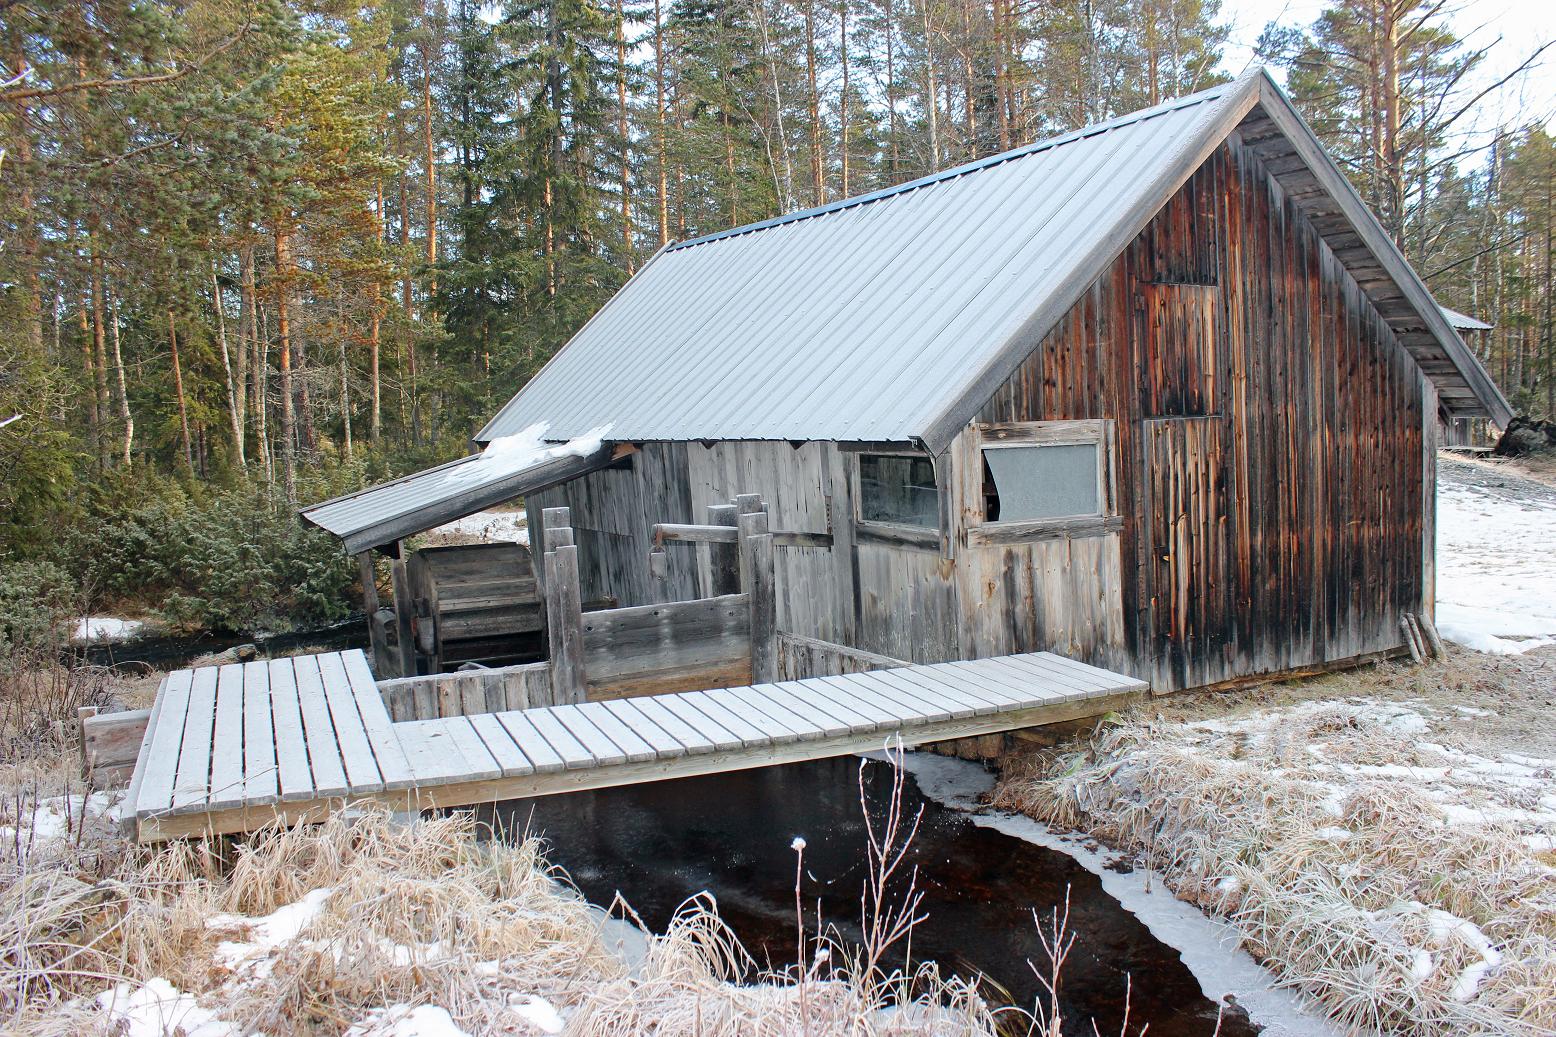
{"points": [[900, 710], [329, 773], [541, 755], [999, 692], [663, 744], [572, 751], [356, 749], [625, 738], [509, 756], [723, 740], [945, 707], [756, 717], [749, 734], [260, 782], [403, 611], [806, 693], [599, 744], [480, 763], [1026, 687], [846, 695], [158, 769], [692, 738], [393, 768], [1046, 675], [755, 702], [294, 774], [429, 746], [227, 758], [194, 754], [950, 690], [819, 722], [1106, 676]]}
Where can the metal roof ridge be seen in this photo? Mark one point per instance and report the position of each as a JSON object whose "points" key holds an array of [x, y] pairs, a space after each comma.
{"points": [[1208, 95]]}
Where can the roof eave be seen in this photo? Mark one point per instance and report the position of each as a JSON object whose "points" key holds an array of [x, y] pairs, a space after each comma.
{"points": [[1280, 110]]}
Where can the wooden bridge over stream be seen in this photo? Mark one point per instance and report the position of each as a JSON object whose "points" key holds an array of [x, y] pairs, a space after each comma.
{"points": [[236, 747], [633, 694]]}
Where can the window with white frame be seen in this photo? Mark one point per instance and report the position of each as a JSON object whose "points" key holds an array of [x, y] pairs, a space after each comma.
{"points": [[1045, 472]]}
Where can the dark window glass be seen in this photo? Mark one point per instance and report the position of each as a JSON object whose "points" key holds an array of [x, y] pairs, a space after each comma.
{"points": [[898, 489]]}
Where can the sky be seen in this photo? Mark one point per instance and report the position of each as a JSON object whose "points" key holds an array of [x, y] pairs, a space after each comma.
{"points": [[1522, 25]]}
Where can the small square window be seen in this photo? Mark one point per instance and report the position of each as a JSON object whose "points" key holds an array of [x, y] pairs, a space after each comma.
{"points": [[898, 489], [1033, 482]]}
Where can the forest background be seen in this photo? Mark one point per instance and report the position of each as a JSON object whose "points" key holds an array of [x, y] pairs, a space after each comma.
{"points": [[259, 252]]}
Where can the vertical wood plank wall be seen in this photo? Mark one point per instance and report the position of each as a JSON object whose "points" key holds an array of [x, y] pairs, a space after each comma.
{"points": [[1272, 459], [1286, 527]]}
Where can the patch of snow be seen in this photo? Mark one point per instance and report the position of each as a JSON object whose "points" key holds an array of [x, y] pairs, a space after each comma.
{"points": [[507, 455], [1496, 570], [538, 1012], [266, 934], [1208, 947], [60, 817], [490, 526], [159, 1009], [107, 628], [407, 1021]]}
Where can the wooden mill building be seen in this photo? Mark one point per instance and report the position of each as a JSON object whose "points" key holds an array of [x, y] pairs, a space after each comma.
{"points": [[1160, 395]]}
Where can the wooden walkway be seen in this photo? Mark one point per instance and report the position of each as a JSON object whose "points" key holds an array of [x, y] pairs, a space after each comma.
{"points": [[231, 748]]}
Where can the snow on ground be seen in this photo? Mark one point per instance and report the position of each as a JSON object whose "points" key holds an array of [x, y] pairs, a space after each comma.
{"points": [[1209, 947], [47, 821], [1496, 559], [107, 628], [489, 526]]}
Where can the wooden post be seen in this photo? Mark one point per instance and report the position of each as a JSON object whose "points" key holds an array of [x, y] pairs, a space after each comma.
{"points": [[723, 574], [83, 714], [564, 610], [758, 580], [403, 610], [375, 630]]}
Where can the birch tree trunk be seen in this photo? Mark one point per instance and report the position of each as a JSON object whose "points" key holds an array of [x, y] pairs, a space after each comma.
{"points": [[126, 419], [178, 389], [234, 408], [284, 344]]}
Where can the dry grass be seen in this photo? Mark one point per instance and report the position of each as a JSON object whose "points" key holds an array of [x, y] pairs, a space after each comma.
{"points": [[432, 913], [1406, 883]]}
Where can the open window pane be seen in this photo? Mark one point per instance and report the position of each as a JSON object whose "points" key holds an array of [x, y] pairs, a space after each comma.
{"points": [[898, 489], [1041, 482]]}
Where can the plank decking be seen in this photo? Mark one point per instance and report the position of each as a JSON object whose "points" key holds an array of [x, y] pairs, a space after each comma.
{"points": [[231, 748]]}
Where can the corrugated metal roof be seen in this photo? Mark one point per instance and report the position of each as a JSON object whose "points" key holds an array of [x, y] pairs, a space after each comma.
{"points": [[856, 321], [390, 511], [1463, 321], [892, 316]]}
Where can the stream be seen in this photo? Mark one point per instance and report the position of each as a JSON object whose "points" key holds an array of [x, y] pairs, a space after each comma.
{"points": [[659, 843]]}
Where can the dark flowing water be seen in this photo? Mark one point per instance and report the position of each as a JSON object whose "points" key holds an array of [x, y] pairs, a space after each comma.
{"points": [[660, 843]]}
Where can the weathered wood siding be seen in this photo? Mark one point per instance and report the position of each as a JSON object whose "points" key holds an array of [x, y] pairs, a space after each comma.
{"points": [[1269, 444]]}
